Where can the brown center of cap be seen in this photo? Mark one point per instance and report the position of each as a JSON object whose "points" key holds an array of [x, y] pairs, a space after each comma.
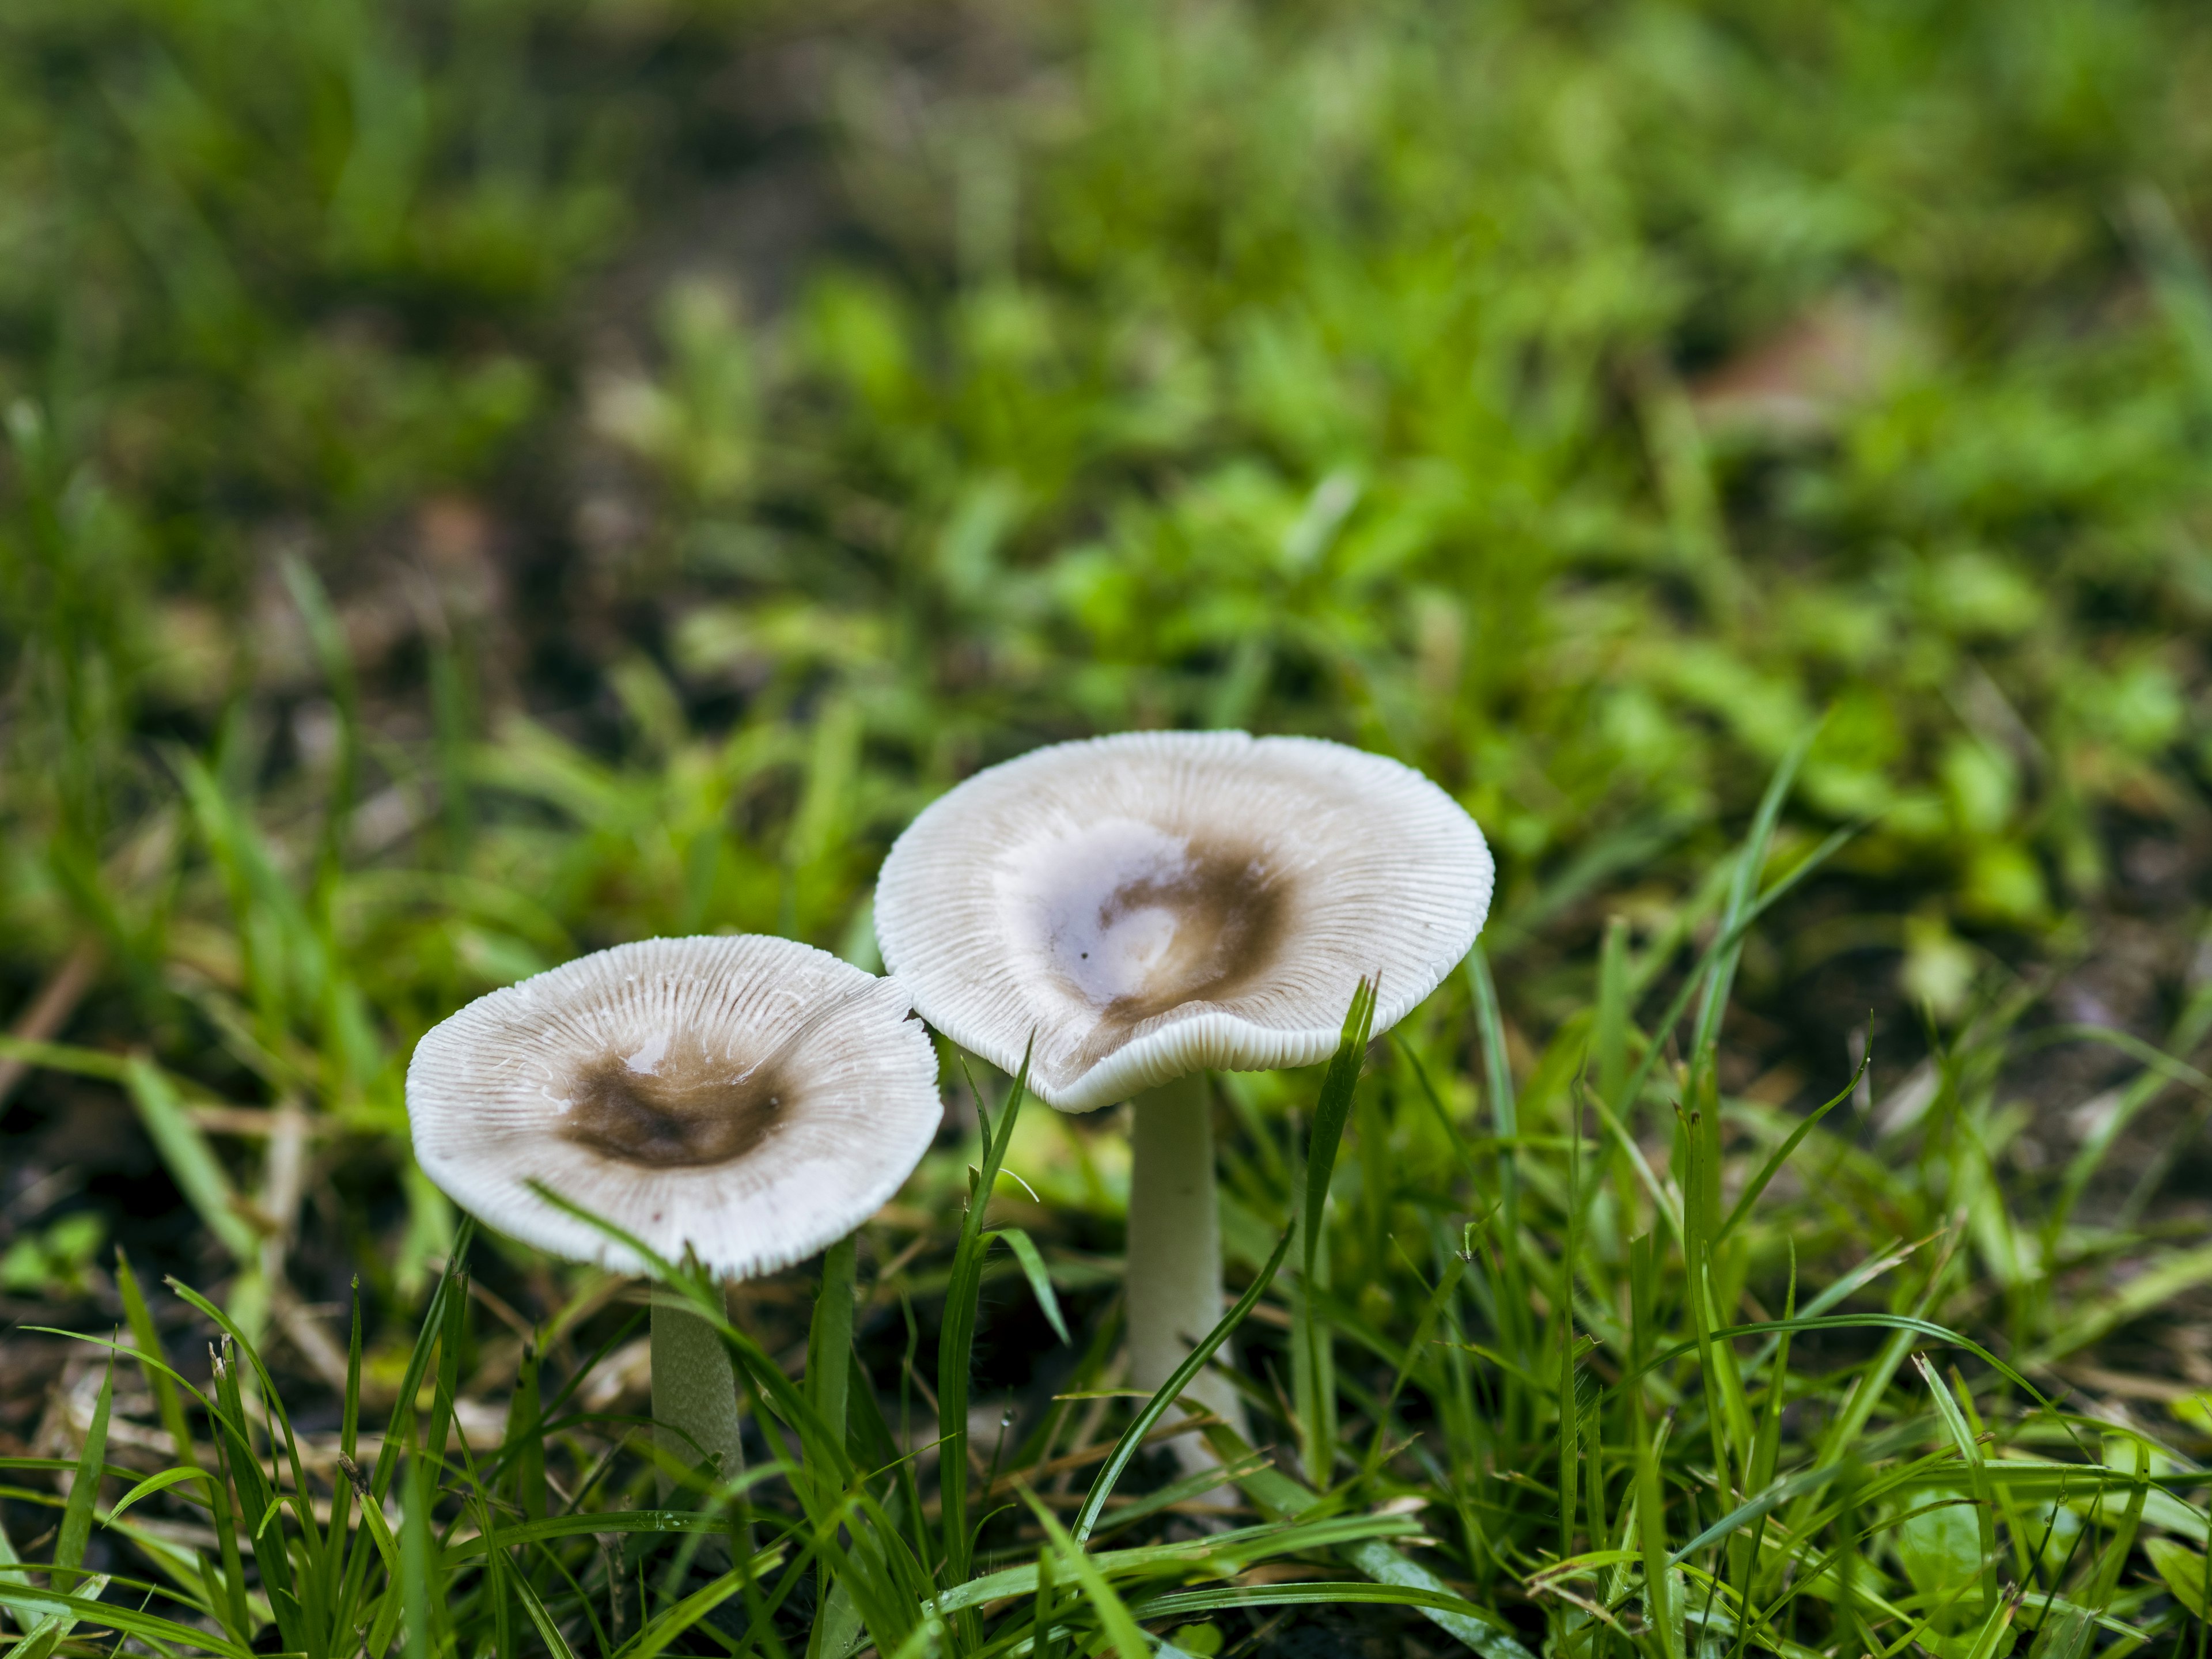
{"points": [[1200, 928], [687, 1112]]}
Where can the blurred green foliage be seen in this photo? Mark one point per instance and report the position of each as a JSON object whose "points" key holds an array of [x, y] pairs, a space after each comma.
{"points": [[489, 479]]}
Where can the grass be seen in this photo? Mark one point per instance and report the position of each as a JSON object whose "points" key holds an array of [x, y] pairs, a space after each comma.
{"points": [[481, 484], [1575, 1405]]}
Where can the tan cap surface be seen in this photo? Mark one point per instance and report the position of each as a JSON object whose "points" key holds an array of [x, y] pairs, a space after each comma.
{"points": [[1157, 902], [750, 1098]]}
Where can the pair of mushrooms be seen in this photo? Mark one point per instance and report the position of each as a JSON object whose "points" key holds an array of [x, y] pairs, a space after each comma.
{"points": [[1128, 912]]}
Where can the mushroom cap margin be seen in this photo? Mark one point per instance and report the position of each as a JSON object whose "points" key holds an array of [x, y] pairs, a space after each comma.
{"points": [[1397, 880], [484, 1096]]}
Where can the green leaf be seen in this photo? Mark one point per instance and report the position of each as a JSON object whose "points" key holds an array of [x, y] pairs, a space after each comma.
{"points": [[1094, 1501], [2182, 1568], [1033, 1269], [51, 1632], [129, 1620], [1313, 1386], [2107, 1582], [674, 1621], [1751, 861], [147, 1341], [10, 1563], [541, 1622], [1218, 1553], [1113, 1617], [1939, 1544], [152, 1483], [957, 1338], [1772, 1167], [1330, 1112], [1349, 1592], [84, 1489], [417, 1588], [1478, 1627]]}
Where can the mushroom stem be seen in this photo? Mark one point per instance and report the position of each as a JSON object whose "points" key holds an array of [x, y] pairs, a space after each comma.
{"points": [[694, 1394], [1174, 1272]]}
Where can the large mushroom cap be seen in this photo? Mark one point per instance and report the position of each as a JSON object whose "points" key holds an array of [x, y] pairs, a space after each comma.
{"points": [[751, 1098], [1160, 902]]}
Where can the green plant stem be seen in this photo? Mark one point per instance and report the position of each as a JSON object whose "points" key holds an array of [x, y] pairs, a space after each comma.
{"points": [[1174, 1274], [695, 1395]]}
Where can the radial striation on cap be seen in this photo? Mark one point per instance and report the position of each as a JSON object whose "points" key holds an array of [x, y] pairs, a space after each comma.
{"points": [[1147, 905], [748, 1098]]}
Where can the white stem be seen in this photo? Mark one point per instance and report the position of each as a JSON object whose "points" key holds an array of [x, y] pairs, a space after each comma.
{"points": [[694, 1393], [1174, 1274]]}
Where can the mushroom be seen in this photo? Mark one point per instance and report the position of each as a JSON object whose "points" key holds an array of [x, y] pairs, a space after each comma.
{"points": [[746, 1100], [1134, 910]]}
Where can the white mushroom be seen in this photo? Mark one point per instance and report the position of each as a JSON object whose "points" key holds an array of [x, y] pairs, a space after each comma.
{"points": [[1133, 910], [748, 1100]]}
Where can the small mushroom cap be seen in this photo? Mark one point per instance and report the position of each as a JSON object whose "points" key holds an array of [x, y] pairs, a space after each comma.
{"points": [[1158, 902], [750, 1098]]}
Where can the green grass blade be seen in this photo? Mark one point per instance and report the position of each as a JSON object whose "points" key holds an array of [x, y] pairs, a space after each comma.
{"points": [[1516, 1414], [160, 1381], [84, 1488], [829, 1375], [1970, 1455], [1331, 1110], [830, 1336], [1313, 1357], [1570, 1418], [1094, 1502], [1650, 1502], [1781, 1154], [150, 1628], [152, 1483], [955, 1342], [1351, 1592], [1906, 1325], [1114, 1621], [2106, 1583], [450, 1284], [327, 636], [1033, 1269], [1477, 1627], [418, 1587], [11, 1572], [673, 1623], [1728, 938], [541, 1622], [1751, 860]]}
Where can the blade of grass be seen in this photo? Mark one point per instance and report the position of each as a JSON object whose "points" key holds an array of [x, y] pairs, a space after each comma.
{"points": [[167, 1403], [829, 1374], [1513, 1309], [1313, 1383], [1970, 1454], [1102, 1487], [1033, 1269], [1114, 1622], [830, 1336], [956, 1345], [1781, 1154], [1750, 862], [2106, 1583], [84, 1488]]}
